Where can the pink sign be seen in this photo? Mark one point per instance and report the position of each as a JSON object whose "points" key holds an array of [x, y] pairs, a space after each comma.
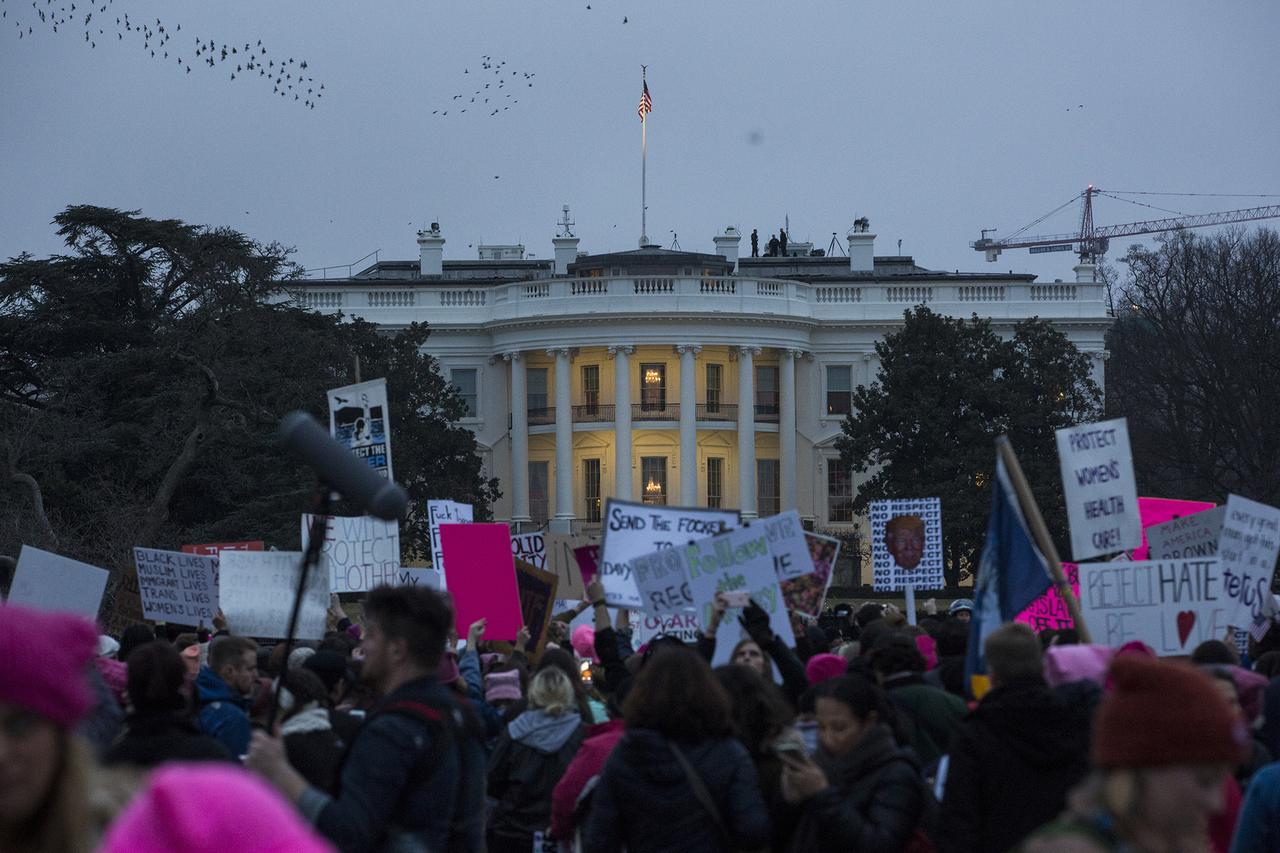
{"points": [[1155, 511], [482, 578], [588, 559], [1049, 611]]}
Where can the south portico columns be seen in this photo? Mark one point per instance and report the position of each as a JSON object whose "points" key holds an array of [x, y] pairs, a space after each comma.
{"points": [[688, 424], [563, 520], [620, 354], [787, 426], [747, 432], [519, 440]]}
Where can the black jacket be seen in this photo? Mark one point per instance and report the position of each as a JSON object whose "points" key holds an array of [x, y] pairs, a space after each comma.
{"points": [[1012, 762], [528, 762], [877, 800], [645, 804], [150, 739]]}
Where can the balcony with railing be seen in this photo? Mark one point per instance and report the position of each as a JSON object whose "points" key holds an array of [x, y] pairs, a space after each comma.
{"points": [[653, 412]]}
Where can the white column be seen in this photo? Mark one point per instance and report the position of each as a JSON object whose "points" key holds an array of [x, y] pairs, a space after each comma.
{"points": [[519, 440], [787, 426], [563, 521], [747, 431], [688, 425], [622, 421]]}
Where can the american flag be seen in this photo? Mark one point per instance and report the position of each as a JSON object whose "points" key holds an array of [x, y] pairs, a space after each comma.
{"points": [[646, 103]]}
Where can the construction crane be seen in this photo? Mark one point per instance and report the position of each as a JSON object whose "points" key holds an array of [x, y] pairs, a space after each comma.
{"points": [[1091, 242]]}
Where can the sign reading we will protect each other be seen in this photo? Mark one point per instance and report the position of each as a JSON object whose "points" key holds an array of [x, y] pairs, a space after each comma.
{"points": [[634, 529], [1171, 605], [1100, 490], [361, 551], [177, 587]]}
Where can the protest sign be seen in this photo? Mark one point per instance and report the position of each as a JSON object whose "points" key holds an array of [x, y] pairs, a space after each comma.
{"points": [[787, 544], [257, 588], [906, 544], [1247, 547], [537, 602], [444, 512], [177, 587], [48, 581], [1049, 611], [361, 551], [484, 578], [1155, 511], [663, 581], [1171, 605], [1190, 536], [358, 420], [530, 547], [635, 529], [419, 574], [1100, 489], [807, 593], [736, 561], [212, 549], [588, 559], [562, 563], [647, 626]]}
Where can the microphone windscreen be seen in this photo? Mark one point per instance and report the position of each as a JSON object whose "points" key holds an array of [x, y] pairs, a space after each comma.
{"points": [[342, 470]]}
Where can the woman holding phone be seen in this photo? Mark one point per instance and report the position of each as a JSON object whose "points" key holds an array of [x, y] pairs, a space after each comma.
{"points": [[861, 791]]}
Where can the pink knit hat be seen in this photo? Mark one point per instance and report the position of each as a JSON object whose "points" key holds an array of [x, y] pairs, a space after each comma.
{"points": [[502, 686], [43, 662], [825, 667], [584, 642], [210, 807], [1066, 664]]}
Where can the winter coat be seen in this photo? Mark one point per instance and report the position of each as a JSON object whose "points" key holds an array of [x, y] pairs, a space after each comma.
{"points": [[645, 803], [928, 714], [224, 714], [876, 800], [150, 739], [530, 758], [412, 780], [314, 747], [1012, 762], [586, 765], [1258, 830]]}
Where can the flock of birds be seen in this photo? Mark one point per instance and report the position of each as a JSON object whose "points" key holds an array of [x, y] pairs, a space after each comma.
{"points": [[161, 42], [506, 83]]}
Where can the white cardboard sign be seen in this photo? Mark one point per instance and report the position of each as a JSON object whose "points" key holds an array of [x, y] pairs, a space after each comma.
{"points": [[1171, 605], [48, 581], [445, 512], [634, 529], [361, 551], [257, 589], [1100, 489], [917, 515], [177, 587], [1247, 547], [359, 421], [530, 547]]}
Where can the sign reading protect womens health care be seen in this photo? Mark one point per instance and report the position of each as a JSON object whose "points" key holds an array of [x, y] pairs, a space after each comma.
{"points": [[635, 529], [1100, 490]]}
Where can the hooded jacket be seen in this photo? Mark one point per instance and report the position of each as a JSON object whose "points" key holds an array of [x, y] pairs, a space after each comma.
{"points": [[1013, 761], [930, 715], [876, 802], [586, 765], [531, 756], [152, 738], [645, 804], [224, 714]]}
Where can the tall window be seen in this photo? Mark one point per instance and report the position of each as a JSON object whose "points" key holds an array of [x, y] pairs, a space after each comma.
{"points": [[839, 389], [768, 487], [653, 387], [591, 488], [839, 492], [539, 493], [715, 482], [653, 479], [767, 390], [464, 380], [537, 385], [715, 386], [591, 387]]}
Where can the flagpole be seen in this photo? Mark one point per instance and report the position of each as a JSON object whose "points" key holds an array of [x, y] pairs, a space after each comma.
{"points": [[644, 157], [1040, 531]]}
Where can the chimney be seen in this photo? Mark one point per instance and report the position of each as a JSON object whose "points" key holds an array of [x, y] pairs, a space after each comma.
{"points": [[1085, 273], [862, 247], [431, 252], [727, 245], [566, 244]]}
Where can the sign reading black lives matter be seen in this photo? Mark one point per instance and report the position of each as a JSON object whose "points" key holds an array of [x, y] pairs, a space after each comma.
{"points": [[917, 524], [1100, 490], [358, 420]]}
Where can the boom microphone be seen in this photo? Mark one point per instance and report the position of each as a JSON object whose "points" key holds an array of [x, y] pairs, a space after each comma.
{"points": [[339, 468]]}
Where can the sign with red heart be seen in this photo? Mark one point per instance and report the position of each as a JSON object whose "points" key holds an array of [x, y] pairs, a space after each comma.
{"points": [[1171, 605]]}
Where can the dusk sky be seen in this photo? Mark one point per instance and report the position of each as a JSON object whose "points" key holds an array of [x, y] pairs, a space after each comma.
{"points": [[933, 119]]}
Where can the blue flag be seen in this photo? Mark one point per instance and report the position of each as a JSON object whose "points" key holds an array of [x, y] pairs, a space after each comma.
{"points": [[1011, 574]]}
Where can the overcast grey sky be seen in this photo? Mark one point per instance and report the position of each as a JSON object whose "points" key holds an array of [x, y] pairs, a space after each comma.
{"points": [[934, 119]]}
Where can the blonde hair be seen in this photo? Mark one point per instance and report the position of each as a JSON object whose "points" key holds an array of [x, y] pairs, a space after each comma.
{"points": [[552, 691]]}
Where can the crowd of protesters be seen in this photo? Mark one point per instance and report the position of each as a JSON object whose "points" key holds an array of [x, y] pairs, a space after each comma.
{"points": [[397, 735]]}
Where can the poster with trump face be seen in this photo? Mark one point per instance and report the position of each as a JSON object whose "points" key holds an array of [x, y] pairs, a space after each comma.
{"points": [[906, 544]]}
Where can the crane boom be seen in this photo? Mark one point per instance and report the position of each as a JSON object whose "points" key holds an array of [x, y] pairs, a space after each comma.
{"points": [[1091, 241]]}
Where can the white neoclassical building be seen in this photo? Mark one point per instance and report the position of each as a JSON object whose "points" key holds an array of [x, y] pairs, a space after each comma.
{"points": [[676, 377]]}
